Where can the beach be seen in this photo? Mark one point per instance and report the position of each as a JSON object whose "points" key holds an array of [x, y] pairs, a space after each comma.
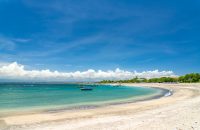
{"points": [[179, 111]]}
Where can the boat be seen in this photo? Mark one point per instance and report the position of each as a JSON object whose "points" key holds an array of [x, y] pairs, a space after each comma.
{"points": [[86, 88]]}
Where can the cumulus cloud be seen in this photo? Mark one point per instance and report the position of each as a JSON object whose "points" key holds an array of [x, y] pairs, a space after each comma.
{"points": [[18, 72]]}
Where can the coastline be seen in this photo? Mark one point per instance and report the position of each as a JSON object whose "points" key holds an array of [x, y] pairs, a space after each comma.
{"points": [[91, 105], [137, 115]]}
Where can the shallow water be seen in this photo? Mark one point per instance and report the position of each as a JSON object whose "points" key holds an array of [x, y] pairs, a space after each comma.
{"points": [[16, 97]]}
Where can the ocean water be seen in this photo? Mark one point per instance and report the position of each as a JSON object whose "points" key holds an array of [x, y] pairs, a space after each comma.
{"points": [[16, 97]]}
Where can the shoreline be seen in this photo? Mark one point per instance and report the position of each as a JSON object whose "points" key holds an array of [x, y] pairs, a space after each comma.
{"points": [[120, 102], [57, 109], [132, 115]]}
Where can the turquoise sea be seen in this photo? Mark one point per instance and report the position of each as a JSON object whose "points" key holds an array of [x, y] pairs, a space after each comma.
{"points": [[23, 97]]}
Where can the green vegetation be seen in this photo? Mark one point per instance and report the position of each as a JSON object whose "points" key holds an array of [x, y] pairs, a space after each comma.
{"points": [[188, 78]]}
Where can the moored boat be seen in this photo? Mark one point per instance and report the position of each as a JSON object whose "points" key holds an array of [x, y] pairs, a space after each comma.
{"points": [[85, 88]]}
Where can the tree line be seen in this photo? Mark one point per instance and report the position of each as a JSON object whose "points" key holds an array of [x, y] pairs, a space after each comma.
{"points": [[188, 78]]}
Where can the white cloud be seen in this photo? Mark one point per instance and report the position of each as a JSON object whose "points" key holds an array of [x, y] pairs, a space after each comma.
{"points": [[8, 43], [18, 72], [21, 40]]}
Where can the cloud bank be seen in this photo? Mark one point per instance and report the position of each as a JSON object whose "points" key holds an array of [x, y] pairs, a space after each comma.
{"points": [[15, 71]]}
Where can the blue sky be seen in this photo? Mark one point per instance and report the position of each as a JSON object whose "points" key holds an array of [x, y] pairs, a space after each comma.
{"points": [[71, 35]]}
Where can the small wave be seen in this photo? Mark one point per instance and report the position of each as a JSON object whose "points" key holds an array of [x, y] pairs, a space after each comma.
{"points": [[169, 93]]}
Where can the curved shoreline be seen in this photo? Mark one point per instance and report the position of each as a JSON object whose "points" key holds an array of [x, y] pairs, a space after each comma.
{"points": [[184, 103], [58, 109]]}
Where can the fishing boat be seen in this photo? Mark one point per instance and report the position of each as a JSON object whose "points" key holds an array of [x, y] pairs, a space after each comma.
{"points": [[86, 88]]}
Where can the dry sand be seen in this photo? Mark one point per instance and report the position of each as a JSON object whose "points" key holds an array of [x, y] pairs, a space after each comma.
{"points": [[181, 111]]}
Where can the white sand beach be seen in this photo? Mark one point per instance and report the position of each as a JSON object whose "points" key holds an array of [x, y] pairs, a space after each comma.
{"points": [[180, 111]]}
